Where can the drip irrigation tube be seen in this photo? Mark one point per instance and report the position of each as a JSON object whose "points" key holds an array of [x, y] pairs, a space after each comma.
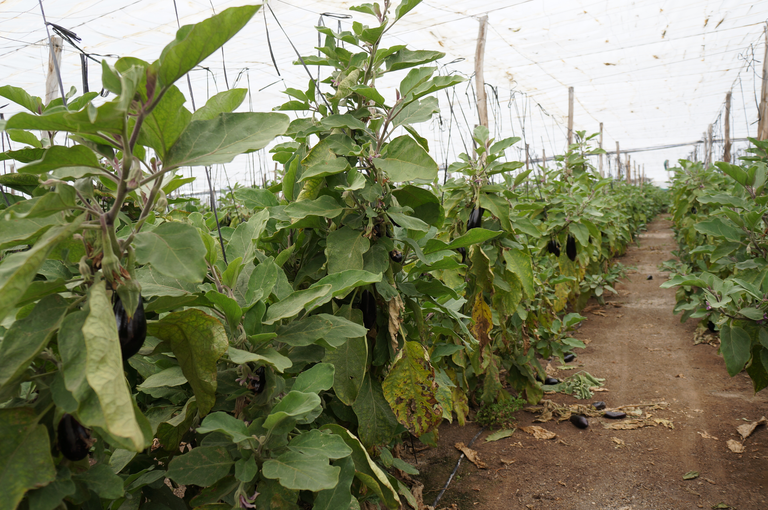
{"points": [[458, 463]]}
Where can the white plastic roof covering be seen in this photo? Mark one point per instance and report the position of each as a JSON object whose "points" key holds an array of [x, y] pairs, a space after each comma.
{"points": [[655, 72]]}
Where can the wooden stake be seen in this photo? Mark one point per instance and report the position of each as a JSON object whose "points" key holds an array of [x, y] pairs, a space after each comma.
{"points": [[629, 171], [762, 114], [618, 161], [708, 161], [600, 158], [544, 158], [52, 80], [727, 149], [527, 157], [482, 106], [570, 116]]}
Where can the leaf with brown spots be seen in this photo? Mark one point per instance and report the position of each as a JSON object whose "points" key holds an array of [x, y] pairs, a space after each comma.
{"points": [[481, 316]]}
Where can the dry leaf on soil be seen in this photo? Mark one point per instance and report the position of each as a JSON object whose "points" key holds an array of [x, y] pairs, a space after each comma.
{"points": [[538, 432], [619, 442], [704, 435], [746, 430], [735, 446], [472, 455], [506, 462]]}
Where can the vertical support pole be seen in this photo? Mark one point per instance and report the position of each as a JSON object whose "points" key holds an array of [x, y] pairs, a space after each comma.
{"points": [[618, 161], [727, 141], [527, 158], [762, 114], [570, 116], [708, 161], [52, 80], [600, 157], [544, 158], [482, 105], [629, 171]]}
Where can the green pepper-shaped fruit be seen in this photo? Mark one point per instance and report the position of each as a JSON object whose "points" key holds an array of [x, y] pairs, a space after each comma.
{"points": [[73, 438], [475, 218], [368, 307], [570, 248], [553, 247], [396, 256], [132, 331]]}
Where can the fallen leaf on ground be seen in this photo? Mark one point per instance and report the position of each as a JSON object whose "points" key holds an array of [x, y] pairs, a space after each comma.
{"points": [[666, 423], [471, 455], [628, 425], [538, 432], [600, 313], [704, 435], [746, 430], [691, 475], [499, 434], [506, 462], [597, 388], [619, 315], [735, 446], [710, 481], [681, 376], [586, 341], [619, 442]]}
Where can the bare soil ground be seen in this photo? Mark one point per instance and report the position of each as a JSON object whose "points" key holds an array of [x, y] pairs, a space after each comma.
{"points": [[647, 356]]}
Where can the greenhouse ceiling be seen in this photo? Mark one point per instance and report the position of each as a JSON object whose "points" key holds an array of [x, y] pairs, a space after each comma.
{"points": [[655, 72]]}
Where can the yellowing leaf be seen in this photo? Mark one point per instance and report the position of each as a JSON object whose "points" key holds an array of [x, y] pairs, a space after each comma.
{"points": [[481, 316]]}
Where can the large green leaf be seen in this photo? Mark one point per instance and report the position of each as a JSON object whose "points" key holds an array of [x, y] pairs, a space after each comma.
{"points": [[316, 379], [27, 337], [62, 157], [719, 227], [174, 249], [104, 368], [519, 263], [242, 242], [203, 466], [316, 443], [376, 422], [406, 160], [219, 140], [194, 43], [335, 330], [411, 390], [325, 206], [171, 432], [417, 111], [341, 495], [343, 282], [256, 198], [223, 102], [21, 97], [18, 269], [25, 455], [101, 480], [165, 124], [153, 283], [425, 205], [349, 361], [295, 404], [344, 250], [474, 236], [225, 423], [301, 472], [735, 345], [269, 356], [295, 302], [25, 230], [198, 341]]}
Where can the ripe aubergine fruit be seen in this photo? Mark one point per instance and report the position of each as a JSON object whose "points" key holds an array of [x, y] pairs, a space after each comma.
{"points": [[73, 438], [693, 210], [549, 381], [133, 331], [463, 252], [396, 256], [570, 248], [569, 357], [615, 415], [580, 421], [258, 381], [598, 405], [650, 277], [475, 218], [553, 247], [711, 326], [368, 307]]}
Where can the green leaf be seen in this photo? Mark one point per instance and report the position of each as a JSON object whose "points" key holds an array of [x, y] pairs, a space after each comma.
{"points": [[334, 329], [735, 346], [405, 7], [62, 157], [376, 422], [344, 250], [417, 112], [194, 43], [300, 472], [203, 466], [474, 236], [256, 198], [51, 496], [226, 424], [519, 263], [104, 368], [344, 281], [223, 102], [406, 58], [409, 222], [21, 97], [294, 303], [171, 432], [295, 404], [332, 167], [27, 337], [153, 283], [101, 480], [752, 313], [174, 249], [219, 140], [242, 243], [198, 341], [499, 434], [735, 172], [170, 377], [21, 182], [316, 443], [316, 379], [229, 306], [325, 206], [25, 455], [349, 361], [25, 137], [246, 469], [425, 204], [719, 227], [341, 495], [411, 390], [268, 356], [406, 160], [165, 124]]}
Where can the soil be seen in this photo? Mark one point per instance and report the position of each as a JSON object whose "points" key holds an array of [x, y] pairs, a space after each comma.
{"points": [[646, 356]]}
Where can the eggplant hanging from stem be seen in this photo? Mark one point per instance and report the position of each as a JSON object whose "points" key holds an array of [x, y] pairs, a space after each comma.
{"points": [[570, 248], [475, 218], [553, 247], [368, 307], [73, 438], [132, 331]]}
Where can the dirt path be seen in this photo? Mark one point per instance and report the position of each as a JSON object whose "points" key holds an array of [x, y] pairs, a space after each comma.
{"points": [[646, 356]]}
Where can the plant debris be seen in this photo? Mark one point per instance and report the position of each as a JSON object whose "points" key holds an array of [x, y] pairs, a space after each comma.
{"points": [[538, 432], [499, 434], [746, 430], [471, 455], [691, 475], [735, 446], [581, 385]]}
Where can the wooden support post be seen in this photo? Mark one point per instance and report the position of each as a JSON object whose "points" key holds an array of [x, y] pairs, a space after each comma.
{"points": [[527, 158], [629, 170], [52, 80], [570, 116], [762, 114], [618, 161], [727, 148], [482, 105], [708, 161], [600, 157], [544, 158]]}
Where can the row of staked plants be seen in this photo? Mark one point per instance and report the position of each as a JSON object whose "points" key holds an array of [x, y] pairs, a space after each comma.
{"points": [[720, 217], [154, 357]]}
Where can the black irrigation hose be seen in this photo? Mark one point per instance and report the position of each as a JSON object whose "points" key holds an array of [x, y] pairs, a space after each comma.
{"points": [[458, 463]]}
